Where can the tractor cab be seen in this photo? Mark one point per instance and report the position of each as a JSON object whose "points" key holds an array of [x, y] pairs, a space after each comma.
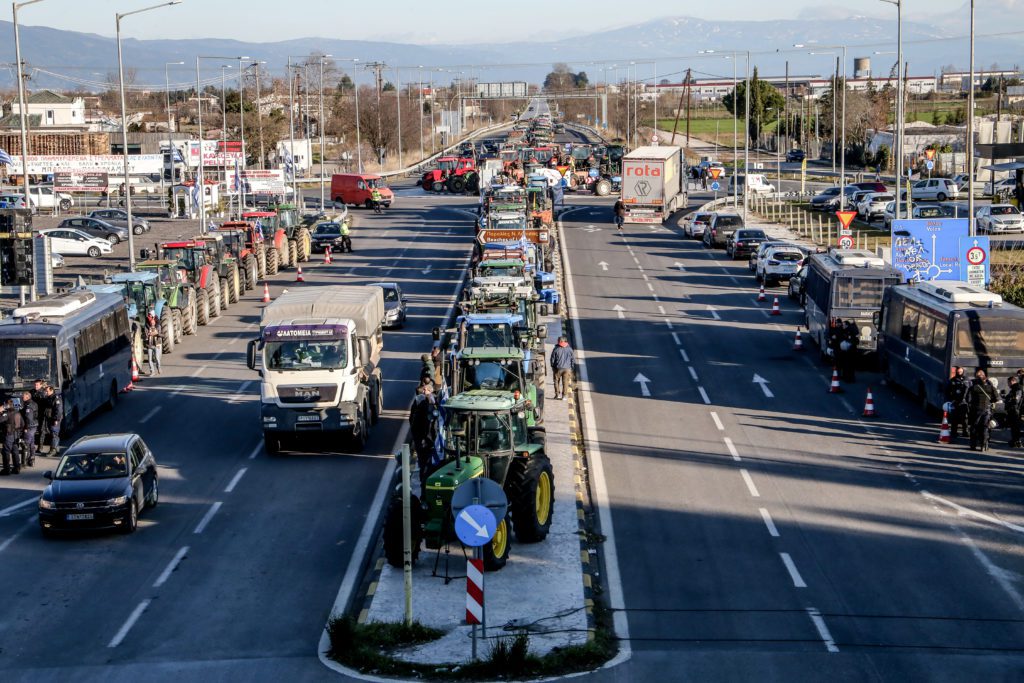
{"points": [[188, 255], [140, 292]]}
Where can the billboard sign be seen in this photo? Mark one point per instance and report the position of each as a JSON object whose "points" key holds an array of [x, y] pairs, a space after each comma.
{"points": [[214, 153], [138, 164], [928, 248], [81, 181], [503, 89], [261, 182], [642, 181]]}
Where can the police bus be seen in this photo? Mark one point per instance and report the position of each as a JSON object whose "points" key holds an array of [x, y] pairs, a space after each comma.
{"points": [[928, 328], [846, 284], [78, 342]]}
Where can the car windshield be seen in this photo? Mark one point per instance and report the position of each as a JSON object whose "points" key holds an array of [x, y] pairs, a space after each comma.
{"points": [[23, 361], [489, 335], [327, 230], [322, 354], [701, 217], [92, 466], [390, 294], [501, 271], [882, 198], [1005, 210], [750, 235]]}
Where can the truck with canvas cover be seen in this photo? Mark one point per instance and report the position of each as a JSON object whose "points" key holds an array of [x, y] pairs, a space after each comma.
{"points": [[482, 433], [653, 183], [318, 356]]}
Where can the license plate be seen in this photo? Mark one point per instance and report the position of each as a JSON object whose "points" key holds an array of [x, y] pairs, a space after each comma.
{"points": [[81, 515], [308, 418]]}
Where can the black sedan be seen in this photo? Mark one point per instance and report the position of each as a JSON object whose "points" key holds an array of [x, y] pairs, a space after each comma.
{"points": [[329, 235], [745, 242], [120, 217], [101, 482], [97, 228], [795, 155]]}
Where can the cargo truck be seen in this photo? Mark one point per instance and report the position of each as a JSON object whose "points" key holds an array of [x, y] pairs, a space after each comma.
{"points": [[318, 356], [653, 183]]}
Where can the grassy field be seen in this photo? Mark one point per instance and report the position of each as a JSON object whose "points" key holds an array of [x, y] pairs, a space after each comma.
{"points": [[712, 129]]}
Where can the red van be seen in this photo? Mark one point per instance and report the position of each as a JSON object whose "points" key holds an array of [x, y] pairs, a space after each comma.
{"points": [[355, 188]]}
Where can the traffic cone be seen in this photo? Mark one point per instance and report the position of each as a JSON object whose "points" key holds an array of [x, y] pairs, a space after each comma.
{"points": [[135, 370], [775, 307], [266, 293], [798, 343], [761, 295], [298, 275], [869, 405], [944, 436], [834, 388], [327, 256]]}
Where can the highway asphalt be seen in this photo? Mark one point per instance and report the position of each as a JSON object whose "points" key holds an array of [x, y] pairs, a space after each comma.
{"points": [[233, 575], [764, 530]]}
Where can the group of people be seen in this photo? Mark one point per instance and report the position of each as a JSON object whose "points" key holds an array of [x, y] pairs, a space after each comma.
{"points": [[843, 340], [26, 423], [700, 174], [971, 403]]}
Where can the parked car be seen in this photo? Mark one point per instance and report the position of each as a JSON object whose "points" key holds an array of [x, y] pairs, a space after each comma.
{"points": [[779, 263], [824, 199], [871, 186], [936, 189], [394, 304], [1002, 188], [872, 206], [758, 184], [798, 283], [853, 203], [68, 242], [101, 482], [752, 264], [120, 217], [44, 197], [327, 234], [97, 228], [744, 241], [56, 260], [720, 227], [13, 200], [795, 155], [961, 180], [697, 224], [999, 218], [922, 211]]}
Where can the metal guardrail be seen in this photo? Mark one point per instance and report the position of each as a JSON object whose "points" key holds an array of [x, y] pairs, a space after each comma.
{"points": [[588, 130]]}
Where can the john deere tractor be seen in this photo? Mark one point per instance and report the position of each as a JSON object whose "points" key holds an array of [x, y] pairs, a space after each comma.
{"points": [[143, 293], [190, 258], [485, 434]]}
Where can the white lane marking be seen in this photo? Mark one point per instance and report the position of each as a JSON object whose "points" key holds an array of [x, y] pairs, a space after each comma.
{"points": [[256, 451], [750, 483], [127, 625], [675, 338], [734, 280], [219, 354], [199, 371], [661, 309], [704, 395], [639, 267], [846, 404], [686, 357], [732, 451], [146, 418], [693, 373], [726, 270], [645, 277], [17, 506], [234, 340], [714, 313], [649, 286], [177, 390], [25, 527], [644, 390], [819, 624], [758, 379], [718, 422], [243, 387], [235, 479], [794, 573], [668, 323], [968, 512], [655, 297], [768, 522], [207, 517], [171, 566]]}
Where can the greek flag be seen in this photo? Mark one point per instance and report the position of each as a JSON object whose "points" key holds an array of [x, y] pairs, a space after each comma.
{"points": [[289, 164], [439, 441], [195, 191], [238, 177], [259, 227], [5, 158]]}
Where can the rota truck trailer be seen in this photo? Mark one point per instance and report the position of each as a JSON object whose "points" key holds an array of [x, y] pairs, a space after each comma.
{"points": [[318, 356], [653, 183]]}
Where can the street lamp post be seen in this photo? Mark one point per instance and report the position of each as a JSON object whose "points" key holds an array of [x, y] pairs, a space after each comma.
{"points": [[224, 129], [398, 106], [898, 128], [291, 126], [419, 86], [323, 148], [124, 125], [170, 124], [259, 113], [200, 179], [842, 116], [970, 131]]}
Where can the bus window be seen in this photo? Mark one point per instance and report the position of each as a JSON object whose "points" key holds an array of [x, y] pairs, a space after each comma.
{"points": [[938, 349], [894, 318], [996, 339], [858, 292], [908, 332], [925, 329]]}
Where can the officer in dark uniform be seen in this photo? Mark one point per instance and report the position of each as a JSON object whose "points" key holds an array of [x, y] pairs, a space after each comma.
{"points": [[12, 432], [53, 418], [1012, 401], [30, 415], [980, 398], [956, 394], [3, 428], [39, 396]]}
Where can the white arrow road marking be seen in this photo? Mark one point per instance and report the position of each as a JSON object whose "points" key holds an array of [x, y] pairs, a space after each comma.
{"points": [[604, 265], [644, 390], [591, 228], [758, 379], [619, 309], [679, 265], [427, 269], [481, 531], [714, 313]]}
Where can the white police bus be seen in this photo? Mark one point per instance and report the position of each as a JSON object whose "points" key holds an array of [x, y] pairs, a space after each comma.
{"points": [[928, 328]]}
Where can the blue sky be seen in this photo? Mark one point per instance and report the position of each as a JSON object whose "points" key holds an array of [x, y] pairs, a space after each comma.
{"points": [[417, 21]]}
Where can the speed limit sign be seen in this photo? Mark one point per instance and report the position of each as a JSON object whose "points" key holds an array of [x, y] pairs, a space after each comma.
{"points": [[846, 242], [976, 256]]}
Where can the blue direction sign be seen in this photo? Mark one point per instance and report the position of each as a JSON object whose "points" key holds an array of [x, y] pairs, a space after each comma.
{"points": [[928, 248], [475, 525], [929, 164], [716, 186], [974, 260]]}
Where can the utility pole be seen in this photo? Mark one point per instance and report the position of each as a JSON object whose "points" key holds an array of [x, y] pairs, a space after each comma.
{"points": [[785, 109], [259, 115], [679, 108], [689, 97], [378, 70]]}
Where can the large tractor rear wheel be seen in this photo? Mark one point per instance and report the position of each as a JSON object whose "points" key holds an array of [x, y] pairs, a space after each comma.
{"points": [[282, 256], [293, 253], [394, 541], [271, 260], [203, 307], [456, 184], [261, 263], [252, 272], [225, 293], [496, 552], [305, 244], [531, 493], [234, 285], [191, 315], [603, 187], [215, 299], [179, 325], [167, 330]]}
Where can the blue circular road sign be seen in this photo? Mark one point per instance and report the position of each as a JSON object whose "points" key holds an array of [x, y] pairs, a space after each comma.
{"points": [[716, 186], [475, 525]]}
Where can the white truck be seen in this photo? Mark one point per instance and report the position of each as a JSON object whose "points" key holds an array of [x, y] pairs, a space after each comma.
{"points": [[653, 183], [318, 356]]}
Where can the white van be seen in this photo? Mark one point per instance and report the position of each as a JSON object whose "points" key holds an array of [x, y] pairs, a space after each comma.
{"points": [[758, 183]]}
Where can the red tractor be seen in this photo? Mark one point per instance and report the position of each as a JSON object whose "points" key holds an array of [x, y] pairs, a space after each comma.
{"points": [[454, 174], [246, 243], [275, 238]]}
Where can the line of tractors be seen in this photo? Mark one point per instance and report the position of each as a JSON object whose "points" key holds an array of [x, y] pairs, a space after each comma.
{"points": [[188, 283]]}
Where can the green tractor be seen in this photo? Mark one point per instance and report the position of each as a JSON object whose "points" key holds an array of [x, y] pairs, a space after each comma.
{"points": [[228, 267], [300, 242], [485, 434], [177, 291], [506, 368], [143, 292]]}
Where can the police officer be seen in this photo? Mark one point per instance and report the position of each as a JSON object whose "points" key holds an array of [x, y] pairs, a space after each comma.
{"points": [[956, 394], [54, 417], [30, 415], [850, 342], [980, 398], [376, 200], [12, 432], [39, 396], [1012, 401], [346, 239]]}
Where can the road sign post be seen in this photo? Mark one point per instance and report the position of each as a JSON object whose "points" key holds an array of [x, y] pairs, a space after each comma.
{"points": [[407, 532], [845, 233]]}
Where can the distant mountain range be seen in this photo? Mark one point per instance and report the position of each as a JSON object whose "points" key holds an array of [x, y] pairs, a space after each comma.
{"points": [[79, 57]]}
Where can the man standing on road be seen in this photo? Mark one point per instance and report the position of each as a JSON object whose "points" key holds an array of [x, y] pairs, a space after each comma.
{"points": [[39, 396], [376, 199], [15, 426], [956, 394], [563, 361], [54, 418], [848, 346], [980, 397], [619, 213], [30, 416], [421, 422], [1012, 401], [154, 343]]}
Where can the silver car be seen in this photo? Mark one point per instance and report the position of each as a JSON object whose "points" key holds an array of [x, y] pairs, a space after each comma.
{"points": [[999, 218]]}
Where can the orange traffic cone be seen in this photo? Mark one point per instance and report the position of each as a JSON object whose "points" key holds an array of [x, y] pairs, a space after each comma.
{"points": [[869, 405], [834, 388], [944, 436], [135, 370], [775, 307], [761, 295], [298, 275], [798, 343], [266, 293], [327, 256]]}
